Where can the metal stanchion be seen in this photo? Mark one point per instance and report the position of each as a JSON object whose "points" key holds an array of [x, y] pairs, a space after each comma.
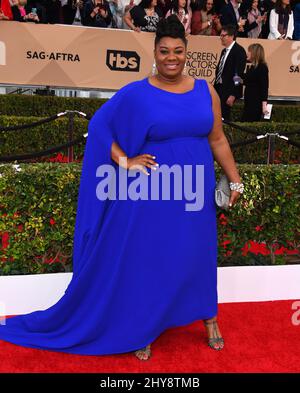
{"points": [[70, 134], [271, 148]]}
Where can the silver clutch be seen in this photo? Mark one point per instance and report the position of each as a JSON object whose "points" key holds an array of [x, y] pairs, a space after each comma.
{"points": [[222, 192]]}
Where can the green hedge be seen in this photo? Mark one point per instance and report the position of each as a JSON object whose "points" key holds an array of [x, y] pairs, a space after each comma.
{"points": [[56, 133], [22, 105], [39, 138], [38, 208]]}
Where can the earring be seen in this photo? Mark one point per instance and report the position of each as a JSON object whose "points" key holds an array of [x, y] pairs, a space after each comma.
{"points": [[184, 70], [154, 68]]}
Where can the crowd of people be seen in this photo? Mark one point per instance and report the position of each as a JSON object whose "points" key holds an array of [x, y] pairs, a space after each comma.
{"points": [[272, 19], [228, 19], [234, 80]]}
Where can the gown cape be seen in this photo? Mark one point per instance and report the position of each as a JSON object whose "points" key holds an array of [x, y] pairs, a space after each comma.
{"points": [[102, 310]]}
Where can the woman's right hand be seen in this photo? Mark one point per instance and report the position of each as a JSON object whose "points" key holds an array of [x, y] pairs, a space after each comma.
{"points": [[140, 162]]}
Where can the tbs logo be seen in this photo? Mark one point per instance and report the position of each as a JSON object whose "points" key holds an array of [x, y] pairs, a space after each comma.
{"points": [[118, 60]]}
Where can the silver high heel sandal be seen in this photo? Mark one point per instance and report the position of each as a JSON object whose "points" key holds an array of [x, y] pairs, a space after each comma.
{"points": [[216, 340]]}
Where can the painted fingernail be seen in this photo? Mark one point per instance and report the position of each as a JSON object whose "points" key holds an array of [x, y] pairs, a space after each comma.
{"points": [[156, 164], [153, 157]]}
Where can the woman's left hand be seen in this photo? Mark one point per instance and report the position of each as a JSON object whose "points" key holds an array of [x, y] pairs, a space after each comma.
{"points": [[233, 198]]}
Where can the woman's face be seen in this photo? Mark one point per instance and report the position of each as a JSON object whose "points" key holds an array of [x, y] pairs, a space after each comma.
{"points": [[285, 2], [170, 57], [181, 3], [255, 4], [209, 5], [153, 3], [249, 56], [22, 2]]}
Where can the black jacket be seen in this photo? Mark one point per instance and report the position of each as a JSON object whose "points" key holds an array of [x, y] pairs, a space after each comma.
{"points": [[256, 82], [234, 64], [228, 17], [98, 20]]}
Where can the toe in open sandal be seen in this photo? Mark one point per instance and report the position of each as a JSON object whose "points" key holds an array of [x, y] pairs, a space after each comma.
{"points": [[143, 353], [215, 342]]}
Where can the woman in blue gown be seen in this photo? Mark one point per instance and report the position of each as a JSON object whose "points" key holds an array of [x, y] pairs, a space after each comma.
{"points": [[142, 264]]}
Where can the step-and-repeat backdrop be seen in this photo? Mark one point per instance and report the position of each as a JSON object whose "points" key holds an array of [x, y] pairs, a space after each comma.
{"points": [[83, 57]]}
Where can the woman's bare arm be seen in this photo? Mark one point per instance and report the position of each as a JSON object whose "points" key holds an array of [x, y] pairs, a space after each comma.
{"points": [[138, 162], [128, 20], [219, 143]]}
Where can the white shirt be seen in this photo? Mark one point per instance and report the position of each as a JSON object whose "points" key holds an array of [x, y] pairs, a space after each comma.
{"points": [[228, 51], [274, 33]]}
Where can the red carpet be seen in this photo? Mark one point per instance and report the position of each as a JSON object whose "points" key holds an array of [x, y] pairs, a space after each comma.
{"points": [[259, 337]]}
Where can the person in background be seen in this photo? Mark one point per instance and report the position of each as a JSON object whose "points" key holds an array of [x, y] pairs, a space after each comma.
{"points": [[296, 11], [229, 70], [281, 21], [219, 4], [3, 16], [114, 6], [97, 13], [265, 7], [256, 82], [196, 5], [230, 15], [52, 11], [205, 21], [5, 10], [164, 5], [73, 12], [235, 13], [254, 15], [144, 17], [184, 13], [123, 7], [22, 13]]}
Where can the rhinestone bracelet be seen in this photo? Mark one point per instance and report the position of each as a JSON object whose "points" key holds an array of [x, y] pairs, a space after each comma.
{"points": [[239, 187]]}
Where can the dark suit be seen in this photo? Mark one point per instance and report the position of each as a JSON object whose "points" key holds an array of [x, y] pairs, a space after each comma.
{"points": [[228, 17], [235, 64]]}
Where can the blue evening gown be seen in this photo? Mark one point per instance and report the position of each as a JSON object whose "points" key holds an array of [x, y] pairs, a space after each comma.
{"points": [[139, 266]]}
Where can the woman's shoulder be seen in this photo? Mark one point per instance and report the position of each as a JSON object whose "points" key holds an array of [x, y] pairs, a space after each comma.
{"points": [[263, 67]]}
